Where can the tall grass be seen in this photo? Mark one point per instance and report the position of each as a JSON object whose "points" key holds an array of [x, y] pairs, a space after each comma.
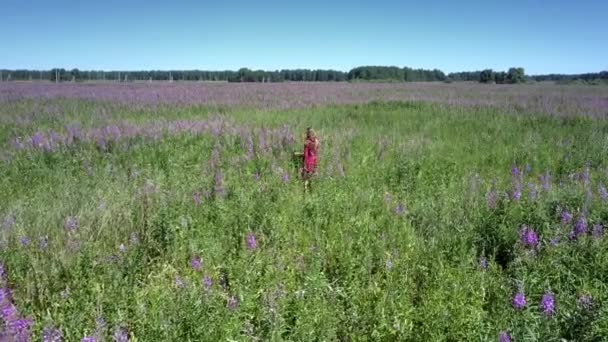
{"points": [[391, 244]]}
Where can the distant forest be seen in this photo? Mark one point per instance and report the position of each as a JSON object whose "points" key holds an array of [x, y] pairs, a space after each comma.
{"points": [[363, 74]]}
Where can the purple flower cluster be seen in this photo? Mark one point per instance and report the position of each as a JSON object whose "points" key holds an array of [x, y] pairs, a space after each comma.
{"points": [[71, 224], [528, 237], [251, 241], [195, 262], [547, 304], [51, 334], [503, 336], [17, 327], [519, 301]]}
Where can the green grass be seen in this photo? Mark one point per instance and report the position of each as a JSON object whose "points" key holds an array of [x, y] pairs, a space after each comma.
{"points": [[320, 269]]}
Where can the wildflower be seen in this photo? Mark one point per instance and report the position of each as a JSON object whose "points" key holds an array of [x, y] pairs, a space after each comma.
{"points": [[88, 339], [528, 237], [503, 336], [598, 230], [195, 262], [251, 241], [580, 227], [519, 301], [547, 304], [233, 303], [603, 192], [8, 312], [585, 302], [220, 192], [71, 223], [515, 171], [545, 181], [51, 334], [483, 263], [554, 242], [207, 282], [491, 199], [389, 264], [399, 209], [122, 248], [120, 335], [285, 177], [19, 328], [566, 217], [25, 241]]}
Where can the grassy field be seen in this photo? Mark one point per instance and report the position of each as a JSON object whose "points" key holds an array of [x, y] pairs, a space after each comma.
{"points": [[427, 222]]}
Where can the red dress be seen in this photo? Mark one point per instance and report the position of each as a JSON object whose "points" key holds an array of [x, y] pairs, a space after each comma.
{"points": [[310, 157]]}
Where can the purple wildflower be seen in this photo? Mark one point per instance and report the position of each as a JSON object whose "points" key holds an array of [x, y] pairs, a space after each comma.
{"points": [[120, 335], [51, 334], [285, 177], [566, 217], [399, 209], [233, 303], [19, 328], [88, 339], [515, 171], [580, 227], [71, 223], [207, 282], [598, 230], [492, 199], [528, 237], [8, 312], [195, 262], [483, 263], [503, 336], [251, 241], [572, 235], [220, 192], [547, 304], [25, 241], [603, 192], [519, 301], [545, 181], [584, 302]]}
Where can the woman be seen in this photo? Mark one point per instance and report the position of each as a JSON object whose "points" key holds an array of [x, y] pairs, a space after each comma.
{"points": [[311, 150]]}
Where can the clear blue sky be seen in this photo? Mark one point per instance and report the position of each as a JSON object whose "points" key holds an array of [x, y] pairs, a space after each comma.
{"points": [[541, 36]]}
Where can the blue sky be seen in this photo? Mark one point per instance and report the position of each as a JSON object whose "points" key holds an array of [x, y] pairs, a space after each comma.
{"points": [[541, 36]]}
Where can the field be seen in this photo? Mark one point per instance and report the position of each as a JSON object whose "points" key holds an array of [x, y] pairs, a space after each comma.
{"points": [[174, 212]]}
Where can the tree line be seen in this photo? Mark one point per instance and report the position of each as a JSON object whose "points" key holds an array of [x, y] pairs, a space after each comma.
{"points": [[512, 76], [362, 73]]}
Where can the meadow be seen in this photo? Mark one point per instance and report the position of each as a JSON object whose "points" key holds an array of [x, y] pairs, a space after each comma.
{"points": [[174, 212]]}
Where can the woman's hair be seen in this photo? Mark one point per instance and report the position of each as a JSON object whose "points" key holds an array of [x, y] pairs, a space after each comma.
{"points": [[310, 132]]}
